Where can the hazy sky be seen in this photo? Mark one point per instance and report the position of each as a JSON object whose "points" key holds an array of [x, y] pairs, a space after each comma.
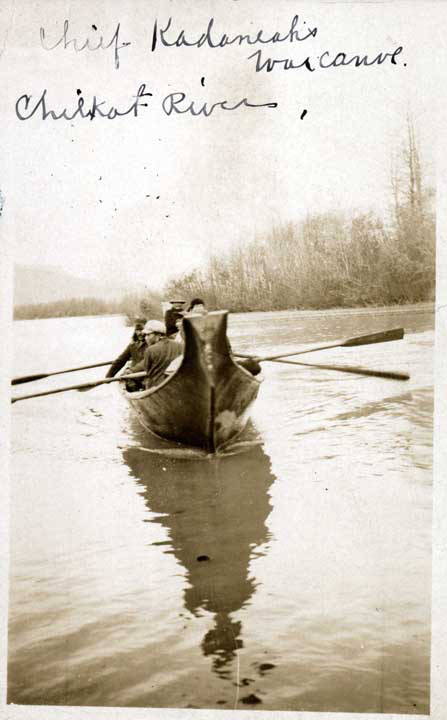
{"points": [[141, 199]]}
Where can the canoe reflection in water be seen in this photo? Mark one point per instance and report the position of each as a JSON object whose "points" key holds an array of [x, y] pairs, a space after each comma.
{"points": [[215, 513]]}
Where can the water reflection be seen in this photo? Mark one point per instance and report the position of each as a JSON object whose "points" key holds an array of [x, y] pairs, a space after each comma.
{"points": [[215, 513], [98, 618]]}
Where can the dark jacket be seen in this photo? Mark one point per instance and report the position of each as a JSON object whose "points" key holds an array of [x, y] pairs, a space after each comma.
{"points": [[134, 352], [156, 359], [171, 317]]}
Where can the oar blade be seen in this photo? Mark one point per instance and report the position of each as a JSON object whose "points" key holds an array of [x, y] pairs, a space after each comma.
{"points": [[28, 378], [380, 337], [389, 375]]}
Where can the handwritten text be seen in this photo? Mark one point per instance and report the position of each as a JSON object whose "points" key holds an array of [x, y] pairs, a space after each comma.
{"points": [[78, 46]]}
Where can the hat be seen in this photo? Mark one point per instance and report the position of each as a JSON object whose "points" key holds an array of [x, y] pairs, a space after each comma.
{"points": [[154, 326], [194, 302]]}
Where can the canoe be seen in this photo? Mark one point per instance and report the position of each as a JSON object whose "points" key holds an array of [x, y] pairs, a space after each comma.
{"points": [[206, 402]]}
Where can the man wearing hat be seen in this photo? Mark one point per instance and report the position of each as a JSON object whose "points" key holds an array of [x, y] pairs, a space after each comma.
{"points": [[172, 314], [133, 353], [160, 352]]}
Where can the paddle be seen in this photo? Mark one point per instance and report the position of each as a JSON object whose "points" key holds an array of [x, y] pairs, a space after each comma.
{"points": [[386, 336], [30, 378], [83, 386], [349, 369]]}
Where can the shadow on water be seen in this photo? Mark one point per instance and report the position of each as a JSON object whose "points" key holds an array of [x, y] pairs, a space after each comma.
{"points": [[215, 513]]}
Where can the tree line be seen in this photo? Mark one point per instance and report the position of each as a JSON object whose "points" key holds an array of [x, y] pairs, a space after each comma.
{"points": [[331, 259], [130, 305], [326, 260]]}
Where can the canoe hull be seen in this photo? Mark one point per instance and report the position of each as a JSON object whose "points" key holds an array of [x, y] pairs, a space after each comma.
{"points": [[206, 403]]}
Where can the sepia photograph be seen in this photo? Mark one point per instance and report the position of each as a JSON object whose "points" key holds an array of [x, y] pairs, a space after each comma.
{"points": [[221, 226]]}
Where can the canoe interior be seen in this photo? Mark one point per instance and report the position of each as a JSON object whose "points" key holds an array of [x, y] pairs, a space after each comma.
{"points": [[206, 402]]}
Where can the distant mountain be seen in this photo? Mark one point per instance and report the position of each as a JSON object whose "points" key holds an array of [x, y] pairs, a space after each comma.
{"points": [[45, 284]]}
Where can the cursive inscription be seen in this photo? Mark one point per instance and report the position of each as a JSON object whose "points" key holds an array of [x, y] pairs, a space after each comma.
{"points": [[26, 109], [211, 38], [323, 61], [173, 103], [177, 103], [88, 44]]}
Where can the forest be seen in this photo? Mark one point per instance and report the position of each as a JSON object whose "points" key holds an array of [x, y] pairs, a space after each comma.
{"points": [[326, 260], [130, 305], [332, 259]]}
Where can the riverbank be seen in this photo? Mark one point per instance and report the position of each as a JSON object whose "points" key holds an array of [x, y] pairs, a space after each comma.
{"points": [[421, 307], [131, 305]]}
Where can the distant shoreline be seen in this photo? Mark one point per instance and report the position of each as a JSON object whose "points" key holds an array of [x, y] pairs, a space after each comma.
{"points": [[420, 307]]}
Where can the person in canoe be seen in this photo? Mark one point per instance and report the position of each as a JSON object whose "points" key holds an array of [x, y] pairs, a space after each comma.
{"points": [[197, 306], [160, 352], [178, 337], [133, 353], [172, 314]]}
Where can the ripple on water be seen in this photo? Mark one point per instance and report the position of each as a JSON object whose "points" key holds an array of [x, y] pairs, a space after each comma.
{"points": [[318, 542]]}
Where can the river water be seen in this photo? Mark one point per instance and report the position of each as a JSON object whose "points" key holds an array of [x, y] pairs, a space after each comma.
{"points": [[294, 576]]}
